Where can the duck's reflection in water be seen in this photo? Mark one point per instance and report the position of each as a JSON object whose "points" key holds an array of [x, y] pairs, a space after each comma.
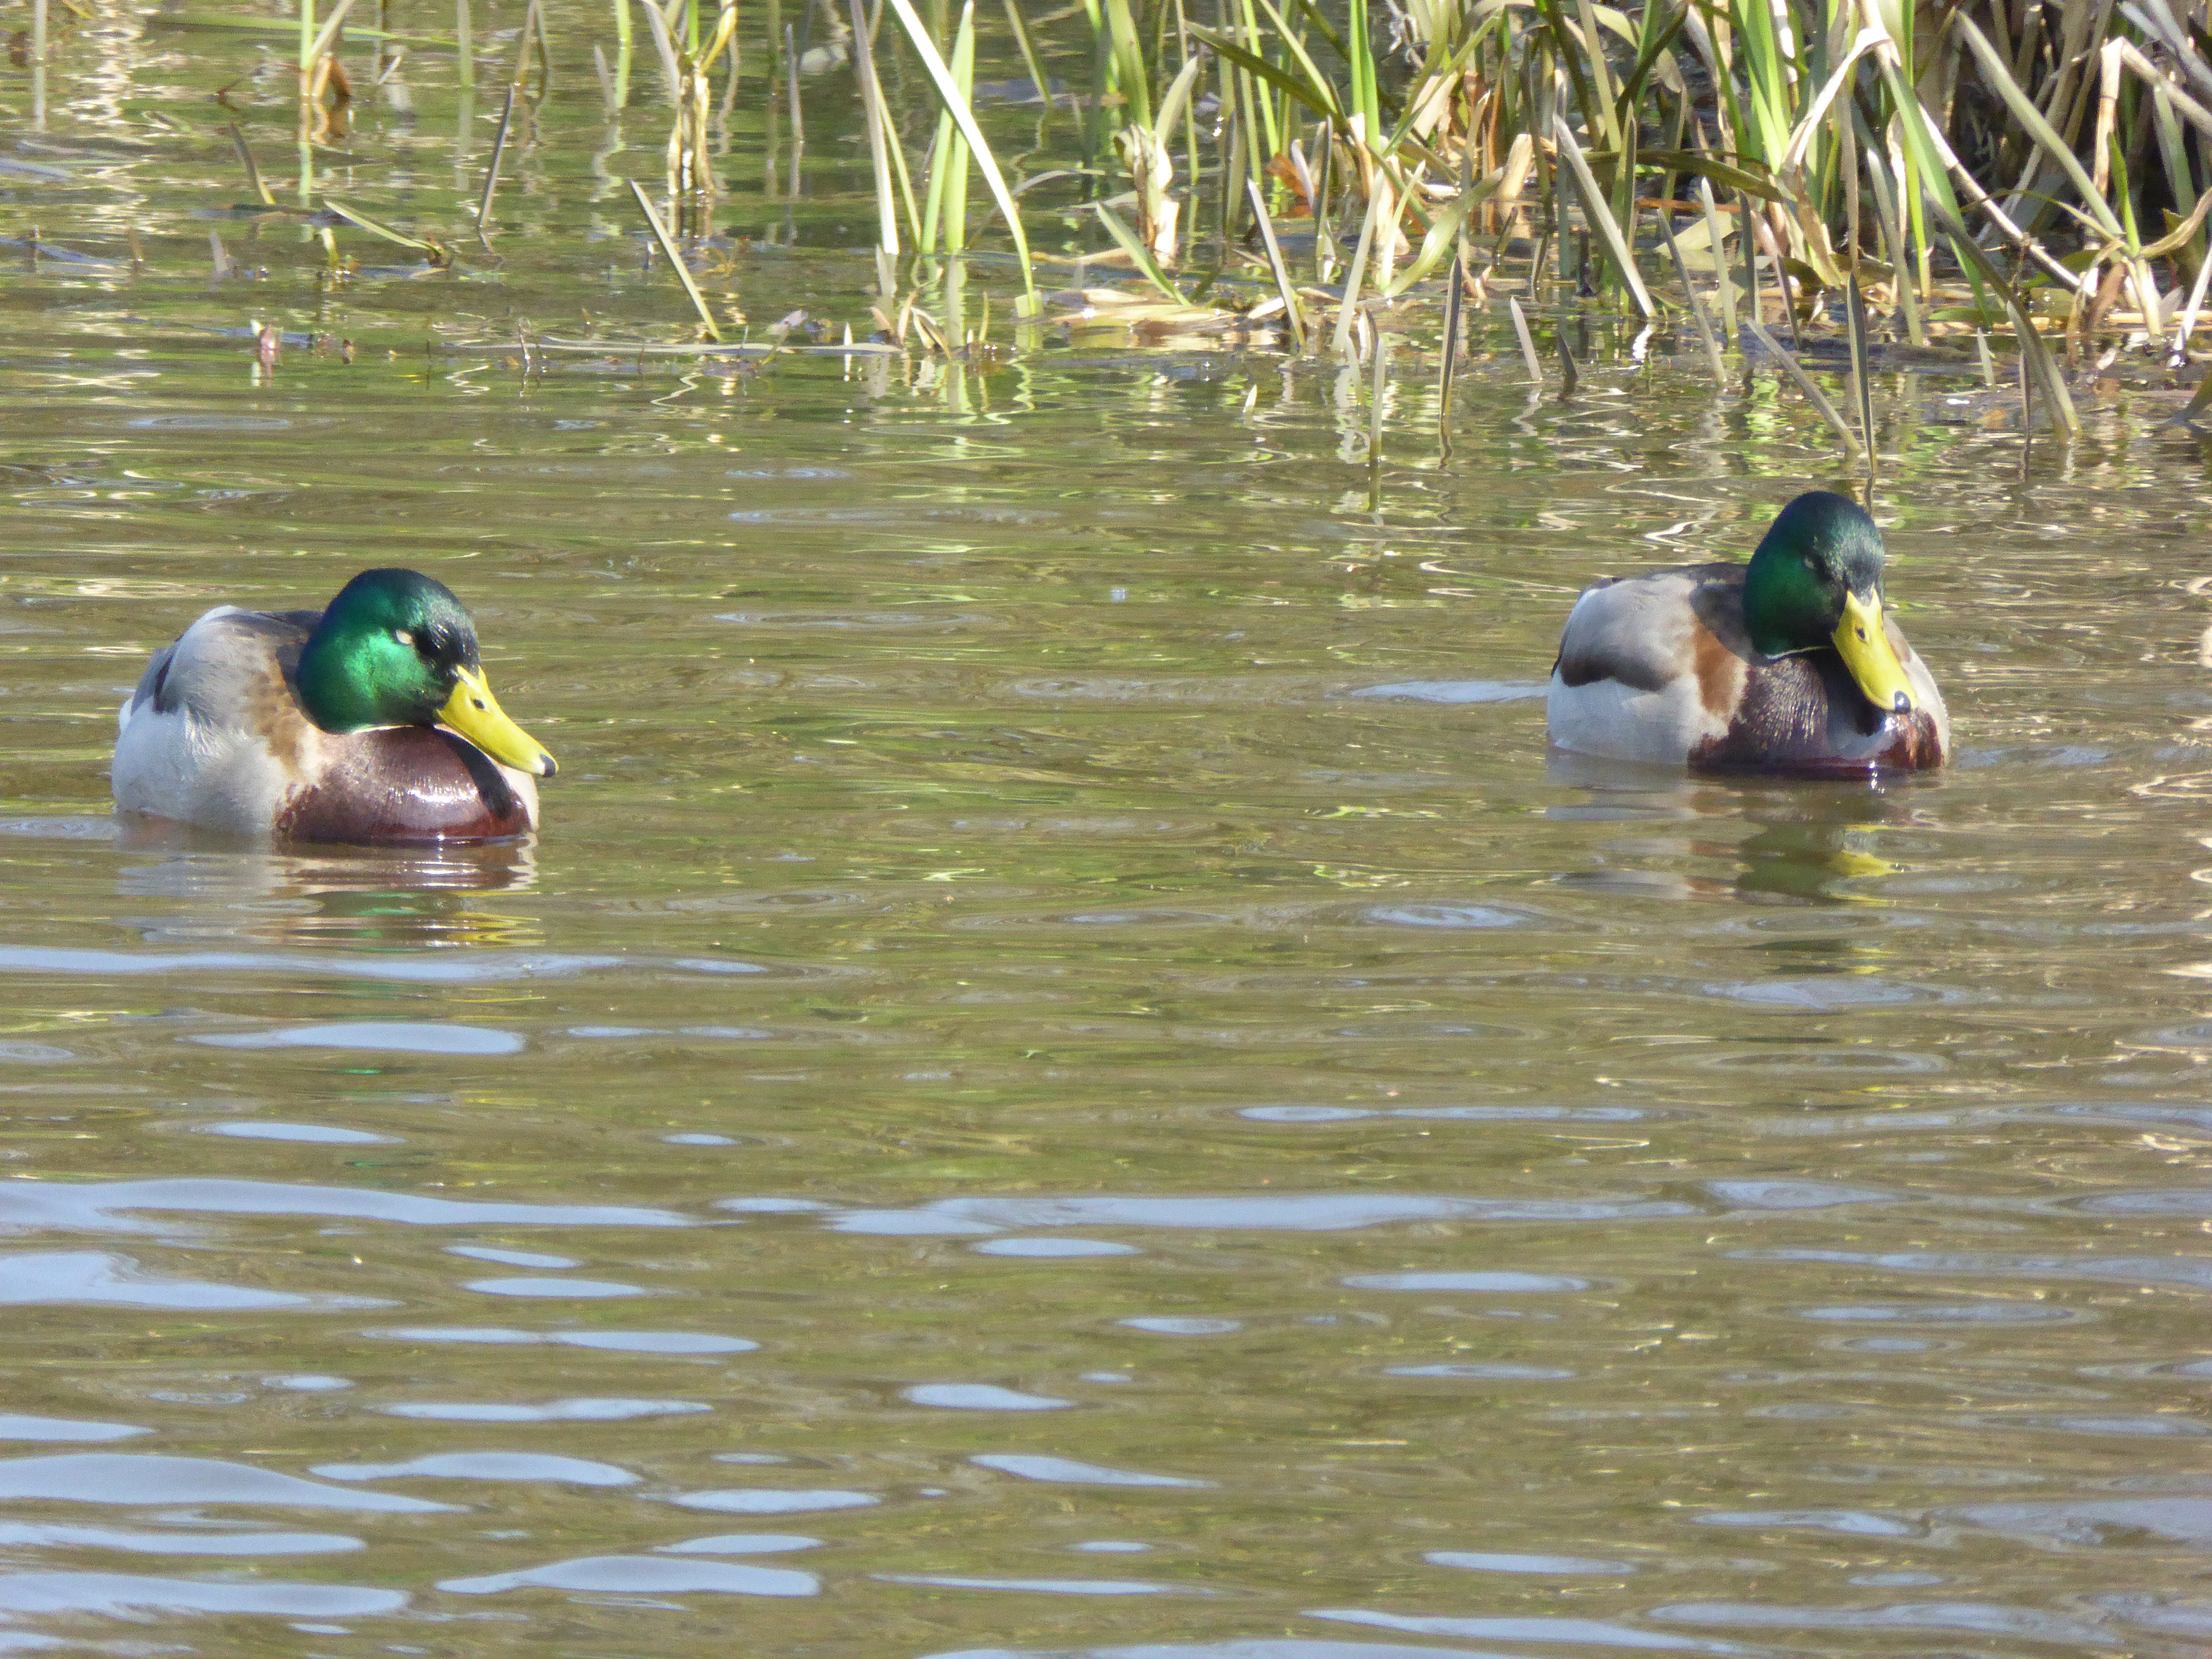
{"points": [[1816, 842], [221, 891], [1810, 842]]}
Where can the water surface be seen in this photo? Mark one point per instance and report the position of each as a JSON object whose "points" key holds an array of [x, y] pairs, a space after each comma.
{"points": [[1066, 1076]]}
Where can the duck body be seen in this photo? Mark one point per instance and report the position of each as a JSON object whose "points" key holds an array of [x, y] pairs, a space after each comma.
{"points": [[220, 732], [1742, 668]]}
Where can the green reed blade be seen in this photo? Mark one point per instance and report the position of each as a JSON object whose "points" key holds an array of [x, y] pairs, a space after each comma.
{"points": [[872, 108], [956, 165], [1443, 233], [1862, 384], [1663, 25], [252, 167], [491, 173], [676, 262], [1447, 368], [1528, 340], [1282, 272], [1696, 305], [1892, 237], [1341, 343], [1376, 385], [926, 49], [1264, 107], [1724, 285], [948, 157], [1139, 255], [1319, 97], [671, 73], [1600, 216], [1814, 395], [1127, 56], [1744, 181], [1020, 27], [1178, 97], [355, 217], [1601, 74], [1998, 78], [2034, 352], [2199, 404], [1359, 46], [328, 35], [625, 38], [1296, 48]]}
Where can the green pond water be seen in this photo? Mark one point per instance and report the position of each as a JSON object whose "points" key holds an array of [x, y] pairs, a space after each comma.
{"points": [[1064, 1074]]}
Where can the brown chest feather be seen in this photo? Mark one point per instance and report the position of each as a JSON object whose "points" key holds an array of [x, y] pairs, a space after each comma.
{"points": [[1805, 716], [404, 783]]}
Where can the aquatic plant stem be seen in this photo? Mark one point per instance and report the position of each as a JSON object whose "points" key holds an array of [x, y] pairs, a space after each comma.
{"points": [[1280, 271], [1534, 363], [1696, 305], [1340, 344], [676, 262], [926, 49], [871, 107], [491, 173]]}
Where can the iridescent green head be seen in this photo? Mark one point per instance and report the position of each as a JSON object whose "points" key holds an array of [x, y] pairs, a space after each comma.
{"points": [[1815, 582], [396, 648]]}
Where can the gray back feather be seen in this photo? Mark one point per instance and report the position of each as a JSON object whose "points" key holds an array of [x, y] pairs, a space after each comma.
{"points": [[226, 661], [1636, 629]]}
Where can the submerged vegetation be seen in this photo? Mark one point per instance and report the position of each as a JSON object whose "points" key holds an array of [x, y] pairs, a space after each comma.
{"points": [[1738, 173]]}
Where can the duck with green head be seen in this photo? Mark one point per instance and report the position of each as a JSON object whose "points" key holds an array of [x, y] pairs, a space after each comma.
{"points": [[1787, 664], [370, 720]]}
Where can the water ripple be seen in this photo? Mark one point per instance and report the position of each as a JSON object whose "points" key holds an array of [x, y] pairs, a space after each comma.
{"points": [[1590, 1632], [1285, 1213], [94, 1278], [143, 1478], [1067, 1471], [14, 1426], [485, 1466], [93, 1206], [558, 1411], [642, 1575], [125, 1595]]}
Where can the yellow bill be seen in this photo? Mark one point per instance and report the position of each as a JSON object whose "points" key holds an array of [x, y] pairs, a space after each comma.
{"points": [[1870, 656], [474, 712]]}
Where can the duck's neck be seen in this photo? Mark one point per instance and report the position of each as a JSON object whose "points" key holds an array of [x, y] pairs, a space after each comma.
{"points": [[349, 680], [1786, 607]]}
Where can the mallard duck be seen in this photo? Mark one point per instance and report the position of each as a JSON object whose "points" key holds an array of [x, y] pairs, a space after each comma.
{"points": [[368, 722], [1785, 664]]}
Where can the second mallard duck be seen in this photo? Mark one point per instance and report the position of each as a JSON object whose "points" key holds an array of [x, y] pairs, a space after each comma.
{"points": [[370, 720], [1787, 664]]}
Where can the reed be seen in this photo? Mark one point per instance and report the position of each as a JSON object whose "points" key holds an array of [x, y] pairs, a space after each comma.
{"points": [[2019, 168], [667, 245], [2032, 174], [959, 109]]}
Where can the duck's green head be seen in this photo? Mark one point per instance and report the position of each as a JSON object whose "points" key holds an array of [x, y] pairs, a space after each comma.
{"points": [[1816, 581], [396, 648]]}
